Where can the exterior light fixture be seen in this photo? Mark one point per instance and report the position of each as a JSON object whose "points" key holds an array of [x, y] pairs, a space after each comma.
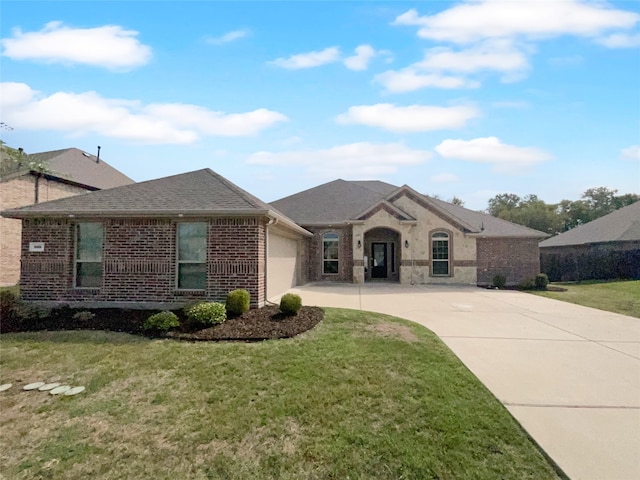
{"points": [[359, 244], [406, 244]]}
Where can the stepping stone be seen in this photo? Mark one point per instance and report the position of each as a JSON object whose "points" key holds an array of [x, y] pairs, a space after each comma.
{"points": [[59, 390], [48, 386], [33, 386], [74, 391], [5, 386]]}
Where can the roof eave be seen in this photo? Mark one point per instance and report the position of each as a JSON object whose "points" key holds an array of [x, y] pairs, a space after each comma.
{"points": [[133, 213]]}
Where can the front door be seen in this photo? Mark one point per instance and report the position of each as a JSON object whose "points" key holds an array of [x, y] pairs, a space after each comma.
{"points": [[378, 260]]}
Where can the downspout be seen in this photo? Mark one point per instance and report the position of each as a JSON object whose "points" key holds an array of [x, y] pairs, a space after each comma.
{"points": [[37, 187]]}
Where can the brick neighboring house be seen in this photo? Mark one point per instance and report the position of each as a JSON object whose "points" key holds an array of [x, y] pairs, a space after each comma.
{"points": [[158, 244], [605, 248], [374, 231], [69, 172]]}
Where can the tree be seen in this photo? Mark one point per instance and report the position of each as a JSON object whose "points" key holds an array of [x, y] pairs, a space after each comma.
{"points": [[503, 202], [457, 201]]}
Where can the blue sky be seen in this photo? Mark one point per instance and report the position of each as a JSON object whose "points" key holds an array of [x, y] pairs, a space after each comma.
{"points": [[466, 99]]}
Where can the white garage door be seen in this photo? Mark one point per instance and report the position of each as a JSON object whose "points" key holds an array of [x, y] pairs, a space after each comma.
{"points": [[282, 263]]}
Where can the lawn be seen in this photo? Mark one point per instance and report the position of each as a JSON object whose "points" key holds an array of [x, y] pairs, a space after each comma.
{"points": [[361, 396], [619, 297]]}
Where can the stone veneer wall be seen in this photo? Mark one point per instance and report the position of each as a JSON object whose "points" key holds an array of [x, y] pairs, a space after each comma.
{"points": [[517, 259], [139, 261], [20, 192]]}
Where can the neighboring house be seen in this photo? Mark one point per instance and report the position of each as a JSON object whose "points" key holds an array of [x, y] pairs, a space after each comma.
{"points": [[197, 236], [605, 248], [42, 177], [374, 231], [158, 244]]}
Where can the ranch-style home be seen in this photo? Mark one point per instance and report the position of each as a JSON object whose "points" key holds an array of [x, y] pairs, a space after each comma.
{"points": [[193, 236]]}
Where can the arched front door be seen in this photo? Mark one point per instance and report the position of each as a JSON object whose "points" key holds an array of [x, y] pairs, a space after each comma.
{"points": [[382, 254]]}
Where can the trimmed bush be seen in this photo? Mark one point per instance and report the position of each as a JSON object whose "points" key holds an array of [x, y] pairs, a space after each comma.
{"points": [[541, 281], [9, 304], [290, 303], [83, 316], [499, 281], [207, 313], [162, 321], [237, 302], [528, 284]]}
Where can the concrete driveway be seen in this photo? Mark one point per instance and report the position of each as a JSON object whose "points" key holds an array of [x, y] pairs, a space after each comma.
{"points": [[569, 374]]}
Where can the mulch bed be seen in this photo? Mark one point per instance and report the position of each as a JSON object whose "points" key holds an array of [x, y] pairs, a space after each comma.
{"points": [[256, 324]]}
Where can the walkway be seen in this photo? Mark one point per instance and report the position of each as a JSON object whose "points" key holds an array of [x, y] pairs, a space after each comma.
{"points": [[569, 374]]}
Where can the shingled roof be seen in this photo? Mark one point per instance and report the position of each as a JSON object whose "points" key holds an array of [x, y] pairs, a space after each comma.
{"points": [[202, 192], [342, 201], [618, 226], [74, 166]]}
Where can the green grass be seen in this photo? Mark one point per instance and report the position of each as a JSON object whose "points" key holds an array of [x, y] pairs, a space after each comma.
{"points": [[361, 396], [619, 296]]}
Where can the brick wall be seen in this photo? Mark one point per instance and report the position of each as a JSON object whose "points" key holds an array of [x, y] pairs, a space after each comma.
{"points": [[345, 254], [20, 192], [139, 260], [516, 258]]}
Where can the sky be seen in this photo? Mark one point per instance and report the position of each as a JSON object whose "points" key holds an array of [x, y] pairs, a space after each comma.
{"points": [[468, 99]]}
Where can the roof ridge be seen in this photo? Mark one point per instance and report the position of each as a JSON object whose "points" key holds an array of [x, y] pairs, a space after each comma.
{"points": [[249, 198]]}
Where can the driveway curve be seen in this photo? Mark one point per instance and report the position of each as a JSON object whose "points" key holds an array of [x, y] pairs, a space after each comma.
{"points": [[569, 374]]}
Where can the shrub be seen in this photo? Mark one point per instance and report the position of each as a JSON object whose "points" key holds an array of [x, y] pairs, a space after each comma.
{"points": [[207, 313], [9, 304], [499, 281], [162, 321], [83, 316], [541, 281], [237, 302], [528, 284], [290, 303]]}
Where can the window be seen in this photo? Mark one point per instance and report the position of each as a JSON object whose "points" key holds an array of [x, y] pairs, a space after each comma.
{"points": [[440, 253], [88, 269], [330, 253], [192, 256]]}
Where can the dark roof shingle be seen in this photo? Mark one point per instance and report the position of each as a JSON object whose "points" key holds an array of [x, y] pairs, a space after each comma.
{"points": [[620, 225], [201, 191], [74, 165]]}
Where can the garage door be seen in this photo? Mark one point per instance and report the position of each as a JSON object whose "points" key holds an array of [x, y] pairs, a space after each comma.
{"points": [[282, 263]]}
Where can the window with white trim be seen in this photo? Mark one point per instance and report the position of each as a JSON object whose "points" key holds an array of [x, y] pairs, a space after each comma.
{"points": [[440, 254], [330, 263], [88, 258], [192, 256]]}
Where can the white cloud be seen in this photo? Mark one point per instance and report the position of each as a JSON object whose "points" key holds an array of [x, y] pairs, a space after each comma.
{"points": [[620, 40], [110, 46], [504, 158], [409, 80], [356, 160], [414, 118], [497, 55], [477, 20], [360, 61], [88, 112], [309, 59], [444, 178], [228, 37], [632, 152]]}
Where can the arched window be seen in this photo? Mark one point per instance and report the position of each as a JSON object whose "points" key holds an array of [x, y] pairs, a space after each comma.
{"points": [[440, 254], [330, 242]]}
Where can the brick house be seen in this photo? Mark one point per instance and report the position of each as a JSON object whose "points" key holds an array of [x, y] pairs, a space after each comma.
{"points": [[165, 242], [374, 231], [605, 248], [68, 172], [157, 244]]}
